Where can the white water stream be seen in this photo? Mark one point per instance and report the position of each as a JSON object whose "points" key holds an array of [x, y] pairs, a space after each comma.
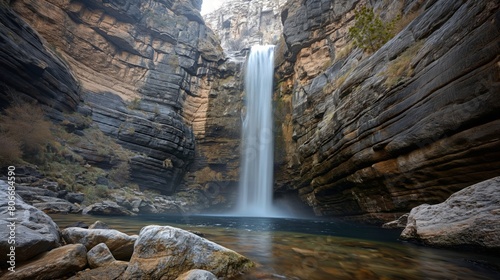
{"points": [[256, 179]]}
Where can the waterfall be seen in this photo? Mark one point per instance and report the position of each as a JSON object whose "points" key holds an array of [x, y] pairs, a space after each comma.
{"points": [[256, 175]]}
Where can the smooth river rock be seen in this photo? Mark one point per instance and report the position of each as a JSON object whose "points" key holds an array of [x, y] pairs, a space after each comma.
{"points": [[468, 218], [120, 244], [164, 252]]}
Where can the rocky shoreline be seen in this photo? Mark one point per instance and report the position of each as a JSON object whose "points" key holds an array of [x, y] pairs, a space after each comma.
{"points": [[47, 195], [43, 251], [468, 219]]}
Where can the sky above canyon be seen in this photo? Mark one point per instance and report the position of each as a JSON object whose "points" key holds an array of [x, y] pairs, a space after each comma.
{"points": [[210, 5]]}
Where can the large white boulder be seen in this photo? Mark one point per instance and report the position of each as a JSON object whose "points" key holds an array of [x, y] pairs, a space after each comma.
{"points": [[164, 252]]}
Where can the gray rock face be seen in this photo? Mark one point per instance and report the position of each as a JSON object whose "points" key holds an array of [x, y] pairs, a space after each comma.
{"points": [[30, 71], [35, 231], [364, 140], [120, 244], [167, 252], [158, 134], [55, 264], [468, 218]]}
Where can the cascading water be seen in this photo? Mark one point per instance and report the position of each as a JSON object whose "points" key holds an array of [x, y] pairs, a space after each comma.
{"points": [[256, 179]]}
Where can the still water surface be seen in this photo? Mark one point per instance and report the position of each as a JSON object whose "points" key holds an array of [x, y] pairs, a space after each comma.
{"points": [[316, 249]]}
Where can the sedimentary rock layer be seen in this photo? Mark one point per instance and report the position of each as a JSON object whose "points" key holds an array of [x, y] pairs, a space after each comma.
{"points": [[143, 69], [371, 135], [30, 71]]}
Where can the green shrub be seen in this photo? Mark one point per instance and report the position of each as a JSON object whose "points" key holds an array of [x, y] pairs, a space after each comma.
{"points": [[370, 32], [400, 68]]}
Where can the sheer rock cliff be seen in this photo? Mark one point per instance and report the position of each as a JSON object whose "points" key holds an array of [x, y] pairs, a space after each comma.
{"points": [[143, 68], [368, 136]]}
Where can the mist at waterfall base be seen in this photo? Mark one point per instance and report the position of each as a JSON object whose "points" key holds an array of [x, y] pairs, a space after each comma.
{"points": [[255, 196]]}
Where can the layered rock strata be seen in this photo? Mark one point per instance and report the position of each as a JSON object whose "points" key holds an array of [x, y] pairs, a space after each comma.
{"points": [[143, 68], [240, 24], [369, 136], [30, 71]]}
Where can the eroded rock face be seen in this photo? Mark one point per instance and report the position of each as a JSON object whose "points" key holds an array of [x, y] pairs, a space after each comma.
{"points": [[468, 218], [241, 24], [214, 175], [167, 252], [31, 71], [143, 67], [35, 231], [363, 140]]}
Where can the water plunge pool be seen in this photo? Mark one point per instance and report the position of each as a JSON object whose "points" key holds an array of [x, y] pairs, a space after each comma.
{"points": [[286, 248]]}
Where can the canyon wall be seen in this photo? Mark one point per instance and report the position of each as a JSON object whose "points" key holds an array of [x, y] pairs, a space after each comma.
{"points": [[361, 135], [30, 71], [144, 70], [368, 136], [240, 24]]}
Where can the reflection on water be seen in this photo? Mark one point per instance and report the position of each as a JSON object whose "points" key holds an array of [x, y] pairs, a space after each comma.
{"points": [[316, 249]]}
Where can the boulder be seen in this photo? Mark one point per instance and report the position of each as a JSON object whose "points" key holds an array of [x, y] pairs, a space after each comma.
{"points": [[99, 255], [166, 252], [111, 271], [120, 244], [54, 264], [197, 274], [468, 218], [55, 205], [106, 208], [35, 231]]}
